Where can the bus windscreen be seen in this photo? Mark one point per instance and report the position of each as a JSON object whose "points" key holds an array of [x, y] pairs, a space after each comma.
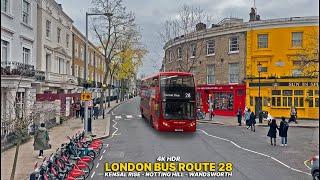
{"points": [[178, 95]]}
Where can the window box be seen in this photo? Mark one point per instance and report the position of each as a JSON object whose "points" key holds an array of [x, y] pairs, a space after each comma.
{"points": [[233, 52]]}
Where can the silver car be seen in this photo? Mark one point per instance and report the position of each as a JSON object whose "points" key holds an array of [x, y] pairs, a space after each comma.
{"points": [[315, 167]]}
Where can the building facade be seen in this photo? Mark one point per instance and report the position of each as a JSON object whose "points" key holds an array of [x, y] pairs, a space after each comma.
{"points": [[277, 45], [225, 58], [54, 52], [216, 56], [96, 66], [18, 59]]}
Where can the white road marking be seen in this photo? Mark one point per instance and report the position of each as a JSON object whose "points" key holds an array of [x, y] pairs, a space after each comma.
{"points": [[93, 174], [139, 115], [305, 163], [118, 117], [238, 146], [97, 165], [104, 151], [101, 157], [107, 145], [129, 116], [115, 123]]}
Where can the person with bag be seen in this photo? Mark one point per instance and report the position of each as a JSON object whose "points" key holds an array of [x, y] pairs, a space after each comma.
{"points": [[253, 121], [283, 131], [41, 140], [272, 133]]}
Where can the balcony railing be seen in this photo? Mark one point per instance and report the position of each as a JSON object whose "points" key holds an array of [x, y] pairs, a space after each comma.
{"points": [[17, 68], [40, 76]]}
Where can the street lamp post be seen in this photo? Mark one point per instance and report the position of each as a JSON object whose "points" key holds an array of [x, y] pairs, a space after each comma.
{"points": [[87, 123], [259, 95]]}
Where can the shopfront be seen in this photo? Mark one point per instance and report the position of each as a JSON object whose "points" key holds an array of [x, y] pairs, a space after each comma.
{"points": [[279, 95], [226, 99]]}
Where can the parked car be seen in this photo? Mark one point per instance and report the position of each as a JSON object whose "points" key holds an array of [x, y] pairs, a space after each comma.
{"points": [[315, 167]]}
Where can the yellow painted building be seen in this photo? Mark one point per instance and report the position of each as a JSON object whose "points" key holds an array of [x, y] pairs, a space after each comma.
{"points": [[277, 46]]}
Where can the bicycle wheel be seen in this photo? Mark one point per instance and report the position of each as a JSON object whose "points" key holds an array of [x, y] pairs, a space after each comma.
{"points": [[92, 154]]}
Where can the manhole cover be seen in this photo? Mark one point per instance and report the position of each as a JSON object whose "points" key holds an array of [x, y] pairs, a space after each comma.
{"points": [[115, 154]]}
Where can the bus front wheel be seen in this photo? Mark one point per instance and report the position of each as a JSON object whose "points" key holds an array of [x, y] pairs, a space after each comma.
{"points": [[151, 122], [141, 111]]}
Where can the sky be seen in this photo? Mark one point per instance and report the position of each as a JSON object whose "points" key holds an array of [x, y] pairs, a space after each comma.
{"points": [[150, 14]]}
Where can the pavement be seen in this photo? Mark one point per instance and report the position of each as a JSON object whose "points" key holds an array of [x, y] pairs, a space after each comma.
{"points": [[233, 121], [28, 157], [132, 139]]}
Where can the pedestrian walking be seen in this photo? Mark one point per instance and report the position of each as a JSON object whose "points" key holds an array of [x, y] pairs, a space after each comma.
{"points": [[78, 107], [239, 115], [247, 118], [41, 140], [283, 131], [253, 121], [293, 115], [82, 112], [96, 111], [272, 133], [210, 102]]}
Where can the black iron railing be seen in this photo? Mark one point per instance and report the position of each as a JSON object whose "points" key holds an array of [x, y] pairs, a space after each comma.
{"points": [[17, 68], [40, 75]]}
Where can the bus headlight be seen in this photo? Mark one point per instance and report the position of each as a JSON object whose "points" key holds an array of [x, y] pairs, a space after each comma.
{"points": [[192, 124], [165, 124]]}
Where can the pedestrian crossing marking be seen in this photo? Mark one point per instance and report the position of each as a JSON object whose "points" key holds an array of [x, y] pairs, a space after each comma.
{"points": [[127, 116]]}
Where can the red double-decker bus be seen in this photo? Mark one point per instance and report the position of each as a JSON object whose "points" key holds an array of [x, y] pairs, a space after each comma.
{"points": [[168, 101]]}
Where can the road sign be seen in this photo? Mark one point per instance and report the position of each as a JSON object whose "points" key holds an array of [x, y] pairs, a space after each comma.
{"points": [[86, 96], [90, 104]]}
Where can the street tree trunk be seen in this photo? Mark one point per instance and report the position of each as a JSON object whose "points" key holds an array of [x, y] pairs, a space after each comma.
{"points": [[15, 158], [109, 89]]}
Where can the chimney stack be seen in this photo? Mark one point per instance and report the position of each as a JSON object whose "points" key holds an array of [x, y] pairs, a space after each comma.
{"points": [[200, 26]]}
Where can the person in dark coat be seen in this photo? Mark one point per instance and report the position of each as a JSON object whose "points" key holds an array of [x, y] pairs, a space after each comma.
{"points": [[82, 112], [239, 115], [253, 121], [41, 140], [272, 133], [96, 111], [283, 131], [77, 108]]}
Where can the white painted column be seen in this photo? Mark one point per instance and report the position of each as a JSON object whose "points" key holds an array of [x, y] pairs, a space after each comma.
{"points": [[30, 97]]}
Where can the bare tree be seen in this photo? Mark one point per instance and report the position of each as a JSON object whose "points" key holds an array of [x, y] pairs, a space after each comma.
{"points": [[182, 29], [308, 56], [111, 30], [21, 112]]}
